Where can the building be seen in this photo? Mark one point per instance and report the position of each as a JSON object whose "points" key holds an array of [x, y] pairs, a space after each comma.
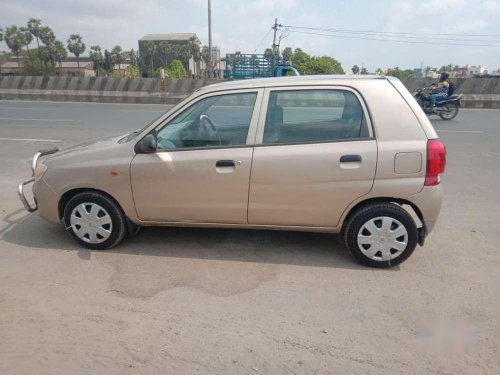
{"points": [[163, 56], [11, 68], [69, 67], [476, 70], [218, 65], [495, 73]]}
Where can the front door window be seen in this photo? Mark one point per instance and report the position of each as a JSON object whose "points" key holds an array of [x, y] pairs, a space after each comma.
{"points": [[216, 121]]}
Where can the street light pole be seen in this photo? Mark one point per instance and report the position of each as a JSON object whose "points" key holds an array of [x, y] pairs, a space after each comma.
{"points": [[209, 40]]}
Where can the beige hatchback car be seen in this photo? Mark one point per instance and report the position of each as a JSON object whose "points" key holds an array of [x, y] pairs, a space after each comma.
{"points": [[354, 155]]}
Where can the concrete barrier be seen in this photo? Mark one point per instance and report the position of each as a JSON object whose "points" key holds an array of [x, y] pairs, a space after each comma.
{"points": [[477, 92], [99, 89]]}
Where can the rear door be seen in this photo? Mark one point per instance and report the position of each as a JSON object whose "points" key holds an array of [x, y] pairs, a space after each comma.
{"points": [[315, 153]]}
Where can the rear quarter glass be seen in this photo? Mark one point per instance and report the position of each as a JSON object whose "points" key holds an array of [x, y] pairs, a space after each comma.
{"points": [[421, 116]]}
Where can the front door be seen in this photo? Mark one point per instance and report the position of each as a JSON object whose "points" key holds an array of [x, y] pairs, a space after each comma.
{"points": [[315, 154], [201, 170]]}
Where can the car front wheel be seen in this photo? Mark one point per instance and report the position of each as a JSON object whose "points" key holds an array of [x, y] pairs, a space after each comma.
{"points": [[381, 235], [94, 220]]}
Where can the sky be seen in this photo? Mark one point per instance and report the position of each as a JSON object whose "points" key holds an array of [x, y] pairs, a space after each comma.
{"points": [[245, 26]]}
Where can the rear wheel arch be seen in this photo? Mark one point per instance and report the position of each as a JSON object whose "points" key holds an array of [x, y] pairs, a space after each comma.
{"points": [[370, 201]]}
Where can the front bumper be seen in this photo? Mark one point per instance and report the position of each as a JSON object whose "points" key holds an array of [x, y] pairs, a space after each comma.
{"points": [[20, 188]]}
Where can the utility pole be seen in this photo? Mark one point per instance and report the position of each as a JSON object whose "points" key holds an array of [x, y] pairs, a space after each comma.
{"points": [[275, 28], [209, 40]]}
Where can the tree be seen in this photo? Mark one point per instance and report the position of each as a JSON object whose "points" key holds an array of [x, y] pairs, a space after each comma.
{"points": [[193, 47], [323, 65], [355, 69], [379, 72], [13, 42], [364, 71], [307, 65], [287, 55], [132, 72], [25, 39], [108, 62], [76, 47], [176, 70], [117, 52], [47, 37], [134, 61], [60, 53], [163, 50], [398, 73], [301, 60], [34, 26], [149, 53], [97, 58]]}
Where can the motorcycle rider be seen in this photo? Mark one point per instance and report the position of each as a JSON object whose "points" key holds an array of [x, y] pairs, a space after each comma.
{"points": [[438, 90]]}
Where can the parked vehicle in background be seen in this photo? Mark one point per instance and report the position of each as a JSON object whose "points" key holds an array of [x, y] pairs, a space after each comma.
{"points": [[248, 66], [338, 154]]}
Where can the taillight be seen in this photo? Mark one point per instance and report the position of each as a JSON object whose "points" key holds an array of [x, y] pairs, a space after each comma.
{"points": [[436, 161]]}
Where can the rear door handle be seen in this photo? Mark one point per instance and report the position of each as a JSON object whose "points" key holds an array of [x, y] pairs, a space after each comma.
{"points": [[350, 159], [225, 163]]}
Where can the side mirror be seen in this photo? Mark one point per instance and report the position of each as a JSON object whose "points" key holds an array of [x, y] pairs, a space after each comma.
{"points": [[146, 145]]}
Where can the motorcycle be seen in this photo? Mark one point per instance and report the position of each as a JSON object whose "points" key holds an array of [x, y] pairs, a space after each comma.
{"points": [[446, 108]]}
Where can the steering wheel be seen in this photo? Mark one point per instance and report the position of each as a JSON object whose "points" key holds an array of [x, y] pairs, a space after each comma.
{"points": [[204, 121]]}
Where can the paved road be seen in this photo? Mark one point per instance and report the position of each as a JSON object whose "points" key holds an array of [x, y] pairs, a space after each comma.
{"points": [[230, 301]]}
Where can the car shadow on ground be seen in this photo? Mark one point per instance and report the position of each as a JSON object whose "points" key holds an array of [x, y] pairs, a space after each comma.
{"points": [[260, 246]]}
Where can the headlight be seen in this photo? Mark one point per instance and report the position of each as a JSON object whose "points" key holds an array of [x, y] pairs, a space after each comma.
{"points": [[40, 171]]}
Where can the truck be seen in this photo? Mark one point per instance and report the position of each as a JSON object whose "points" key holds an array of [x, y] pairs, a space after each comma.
{"points": [[247, 66]]}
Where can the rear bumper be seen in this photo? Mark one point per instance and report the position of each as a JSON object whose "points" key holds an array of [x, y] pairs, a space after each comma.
{"points": [[428, 201]]}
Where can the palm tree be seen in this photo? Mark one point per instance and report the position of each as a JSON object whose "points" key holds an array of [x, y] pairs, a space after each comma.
{"points": [[149, 52], [60, 53], [48, 38], [34, 26], [165, 48], [26, 39], [117, 52], [97, 58], [76, 47], [12, 38]]}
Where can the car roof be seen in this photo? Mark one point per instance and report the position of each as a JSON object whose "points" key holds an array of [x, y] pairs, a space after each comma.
{"points": [[288, 81]]}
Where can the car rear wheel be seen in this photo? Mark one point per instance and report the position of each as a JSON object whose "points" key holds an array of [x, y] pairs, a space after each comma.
{"points": [[381, 235], [94, 220]]}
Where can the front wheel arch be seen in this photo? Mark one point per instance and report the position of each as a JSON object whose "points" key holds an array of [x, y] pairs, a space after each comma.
{"points": [[66, 197]]}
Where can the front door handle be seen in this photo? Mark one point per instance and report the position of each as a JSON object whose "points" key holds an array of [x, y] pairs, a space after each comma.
{"points": [[225, 163], [350, 159]]}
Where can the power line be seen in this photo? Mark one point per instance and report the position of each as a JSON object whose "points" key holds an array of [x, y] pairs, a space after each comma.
{"points": [[392, 32], [264, 38], [396, 40], [395, 35]]}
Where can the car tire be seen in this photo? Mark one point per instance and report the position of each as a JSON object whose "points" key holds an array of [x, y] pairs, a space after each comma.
{"points": [[381, 235], [94, 220]]}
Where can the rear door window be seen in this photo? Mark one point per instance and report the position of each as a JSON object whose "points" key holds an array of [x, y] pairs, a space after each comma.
{"points": [[313, 116]]}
